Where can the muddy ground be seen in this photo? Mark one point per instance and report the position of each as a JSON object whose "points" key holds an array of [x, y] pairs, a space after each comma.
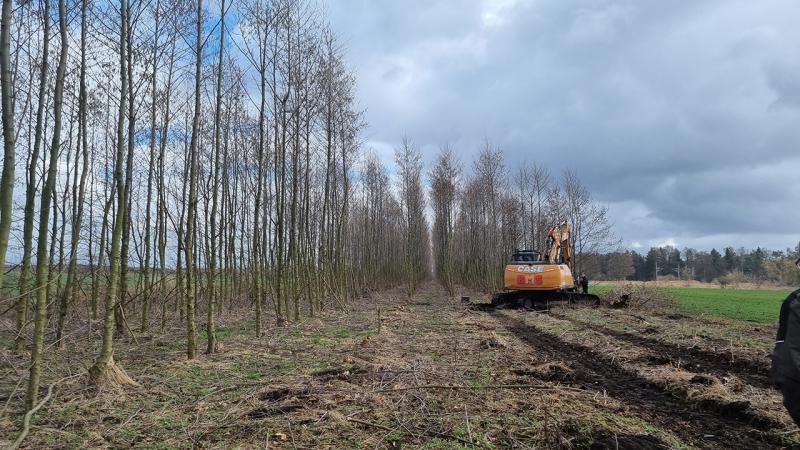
{"points": [[426, 372]]}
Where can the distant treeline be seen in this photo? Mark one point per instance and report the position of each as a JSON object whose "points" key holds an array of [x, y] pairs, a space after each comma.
{"points": [[726, 267]]}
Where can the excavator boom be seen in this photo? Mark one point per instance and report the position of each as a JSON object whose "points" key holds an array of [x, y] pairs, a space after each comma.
{"points": [[558, 241]]}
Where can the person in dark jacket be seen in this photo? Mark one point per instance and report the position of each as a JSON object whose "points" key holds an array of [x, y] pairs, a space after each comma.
{"points": [[584, 282], [786, 355]]}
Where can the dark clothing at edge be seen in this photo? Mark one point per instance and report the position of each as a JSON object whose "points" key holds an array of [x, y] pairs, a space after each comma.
{"points": [[786, 355]]}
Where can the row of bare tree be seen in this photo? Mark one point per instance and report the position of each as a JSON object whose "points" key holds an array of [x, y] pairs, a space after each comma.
{"points": [[181, 159], [200, 157], [480, 219]]}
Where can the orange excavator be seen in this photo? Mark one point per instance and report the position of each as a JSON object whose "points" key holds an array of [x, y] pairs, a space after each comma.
{"points": [[531, 280]]}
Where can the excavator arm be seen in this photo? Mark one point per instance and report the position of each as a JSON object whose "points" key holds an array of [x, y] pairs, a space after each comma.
{"points": [[558, 243]]}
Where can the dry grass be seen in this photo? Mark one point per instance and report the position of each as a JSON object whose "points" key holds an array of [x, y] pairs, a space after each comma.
{"points": [[436, 375]]}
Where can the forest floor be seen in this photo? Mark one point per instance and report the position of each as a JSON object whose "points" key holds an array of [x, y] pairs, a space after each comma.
{"points": [[433, 374]]}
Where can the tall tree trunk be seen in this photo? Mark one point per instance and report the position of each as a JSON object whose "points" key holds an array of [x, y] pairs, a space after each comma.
{"points": [[119, 311], [70, 289], [150, 170], [104, 369], [9, 152], [212, 267], [191, 344], [44, 219], [30, 188], [258, 287], [162, 200]]}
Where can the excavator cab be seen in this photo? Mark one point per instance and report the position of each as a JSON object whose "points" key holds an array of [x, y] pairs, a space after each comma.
{"points": [[526, 256]]}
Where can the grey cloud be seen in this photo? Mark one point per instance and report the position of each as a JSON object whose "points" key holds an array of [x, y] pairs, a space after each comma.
{"points": [[783, 79], [681, 115]]}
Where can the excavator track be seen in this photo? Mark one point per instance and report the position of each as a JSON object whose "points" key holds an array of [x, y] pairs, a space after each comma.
{"points": [[541, 300]]}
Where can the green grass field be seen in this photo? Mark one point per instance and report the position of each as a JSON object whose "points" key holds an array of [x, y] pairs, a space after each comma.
{"points": [[755, 305]]}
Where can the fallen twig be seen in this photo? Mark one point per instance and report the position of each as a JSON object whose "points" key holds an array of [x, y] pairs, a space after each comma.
{"points": [[26, 422], [541, 387], [370, 424]]}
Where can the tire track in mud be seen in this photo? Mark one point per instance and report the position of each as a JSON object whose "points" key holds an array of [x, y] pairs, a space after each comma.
{"points": [[595, 371], [752, 372]]}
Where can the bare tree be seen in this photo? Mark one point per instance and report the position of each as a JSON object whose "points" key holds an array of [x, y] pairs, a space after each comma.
{"points": [[42, 261], [31, 183], [532, 183], [9, 138], [188, 244], [412, 201], [444, 179], [79, 187], [212, 266], [105, 370], [589, 223]]}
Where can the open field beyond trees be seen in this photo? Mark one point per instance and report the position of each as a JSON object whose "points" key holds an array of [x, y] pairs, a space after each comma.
{"points": [[761, 305], [426, 372], [755, 305]]}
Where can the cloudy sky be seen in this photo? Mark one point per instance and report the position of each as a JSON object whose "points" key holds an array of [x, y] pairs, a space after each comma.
{"points": [[683, 117]]}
